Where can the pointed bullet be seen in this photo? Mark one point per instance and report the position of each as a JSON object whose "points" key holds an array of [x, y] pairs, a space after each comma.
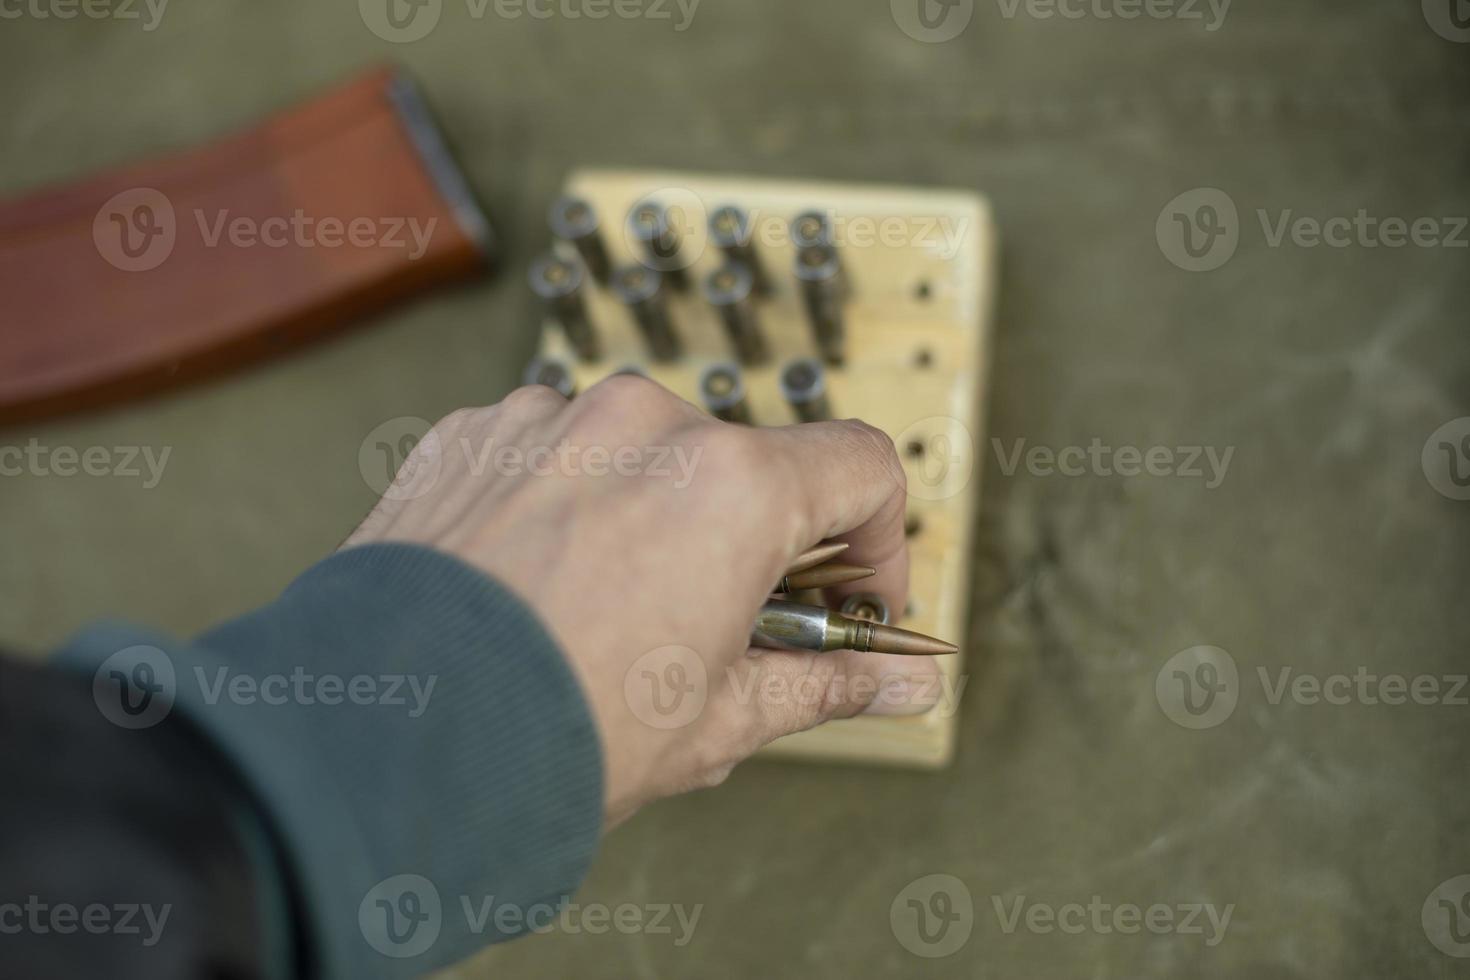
{"points": [[824, 576], [812, 557], [876, 638], [792, 626]]}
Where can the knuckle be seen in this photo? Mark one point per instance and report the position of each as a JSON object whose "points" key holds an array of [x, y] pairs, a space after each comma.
{"points": [[880, 450], [531, 399], [632, 390], [629, 400]]}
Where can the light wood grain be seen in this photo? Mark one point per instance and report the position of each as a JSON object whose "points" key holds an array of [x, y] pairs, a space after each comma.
{"points": [[922, 265]]}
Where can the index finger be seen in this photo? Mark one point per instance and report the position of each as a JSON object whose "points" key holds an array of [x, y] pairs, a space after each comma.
{"points": [[851, 487]]}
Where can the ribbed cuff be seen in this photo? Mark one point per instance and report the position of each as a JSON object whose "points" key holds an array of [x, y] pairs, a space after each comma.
{"points": [[419, 745]]}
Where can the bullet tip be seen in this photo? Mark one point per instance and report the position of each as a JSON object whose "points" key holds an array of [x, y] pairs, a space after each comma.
{"points": [[891, 639], [827, 575], [815, 556]]}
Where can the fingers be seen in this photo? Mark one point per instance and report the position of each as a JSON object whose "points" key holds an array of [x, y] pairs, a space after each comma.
{"points": [[629, 402], [852, 488], [797, 691]]}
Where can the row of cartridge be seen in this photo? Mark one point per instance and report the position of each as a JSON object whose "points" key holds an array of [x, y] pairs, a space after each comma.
{"points": [[734, 291]]}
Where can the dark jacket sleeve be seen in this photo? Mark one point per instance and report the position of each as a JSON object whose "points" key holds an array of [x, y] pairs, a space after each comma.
{"points": [[416, 746]]}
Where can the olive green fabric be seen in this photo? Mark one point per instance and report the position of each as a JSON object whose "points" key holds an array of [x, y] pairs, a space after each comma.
{"points": [[1324, 548]]}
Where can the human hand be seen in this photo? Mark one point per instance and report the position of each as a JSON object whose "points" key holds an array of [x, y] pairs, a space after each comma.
{"points": [[646, 535]]}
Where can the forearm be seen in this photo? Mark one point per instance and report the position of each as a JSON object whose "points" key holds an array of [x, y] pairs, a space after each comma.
{"points": [[397, 713]]}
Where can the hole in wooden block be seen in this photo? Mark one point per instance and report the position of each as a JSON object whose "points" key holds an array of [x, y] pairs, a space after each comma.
{"points": [[923, 292], [913, 525], [923, 358], [914, 448]]}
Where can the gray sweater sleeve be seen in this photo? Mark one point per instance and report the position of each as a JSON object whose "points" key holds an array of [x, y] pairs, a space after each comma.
{"points": [[418, 747]]}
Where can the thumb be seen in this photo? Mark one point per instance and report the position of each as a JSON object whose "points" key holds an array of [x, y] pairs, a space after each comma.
{"points": [[798, 691]]}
